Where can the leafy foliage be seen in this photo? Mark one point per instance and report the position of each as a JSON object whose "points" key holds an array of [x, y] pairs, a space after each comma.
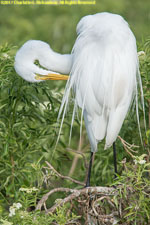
{"points": [[19, 213], [28, 116], [145, 71], [133, 188], [27, 127]]}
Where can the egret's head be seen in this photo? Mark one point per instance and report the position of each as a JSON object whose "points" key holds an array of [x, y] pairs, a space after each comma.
{"points": [[25, 62]]}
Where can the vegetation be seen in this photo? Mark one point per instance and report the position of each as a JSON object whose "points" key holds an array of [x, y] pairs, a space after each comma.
{"points": [[28, 126]]}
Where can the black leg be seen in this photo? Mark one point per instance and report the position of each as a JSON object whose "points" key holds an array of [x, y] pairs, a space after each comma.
{"points": [[115, 158], [89, 171]]}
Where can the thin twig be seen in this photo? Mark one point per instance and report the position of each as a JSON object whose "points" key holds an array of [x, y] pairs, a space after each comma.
{"points": [[75, 160], [80, 153], [45, 207], [128, 147], [63, 177], [101, 198]]}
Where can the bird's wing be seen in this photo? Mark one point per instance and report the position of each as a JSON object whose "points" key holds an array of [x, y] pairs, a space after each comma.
{"points": [[103, 74]]}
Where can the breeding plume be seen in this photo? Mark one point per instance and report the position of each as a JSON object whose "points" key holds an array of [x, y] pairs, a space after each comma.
{"points": [[103, 68]]}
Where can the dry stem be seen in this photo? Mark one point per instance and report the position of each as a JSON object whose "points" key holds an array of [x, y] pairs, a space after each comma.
{"points": [[61, 176], [128, 147]]}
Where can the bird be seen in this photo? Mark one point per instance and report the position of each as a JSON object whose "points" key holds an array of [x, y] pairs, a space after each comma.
{"points": [[103, 69]]}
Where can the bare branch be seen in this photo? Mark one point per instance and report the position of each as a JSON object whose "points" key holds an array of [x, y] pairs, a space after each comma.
{"points": [[100, 199], [128, 147], [63, 177], [75, 194], [45, 197], [65, 200]]}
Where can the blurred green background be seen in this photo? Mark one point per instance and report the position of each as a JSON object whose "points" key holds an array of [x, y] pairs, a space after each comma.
{"points": [[57, 24]]}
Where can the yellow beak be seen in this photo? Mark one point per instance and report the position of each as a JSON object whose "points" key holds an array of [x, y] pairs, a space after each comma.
{"points": [[51, 76]]}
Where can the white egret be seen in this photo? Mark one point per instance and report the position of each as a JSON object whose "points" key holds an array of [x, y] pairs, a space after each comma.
{"points": [[104, 72]]}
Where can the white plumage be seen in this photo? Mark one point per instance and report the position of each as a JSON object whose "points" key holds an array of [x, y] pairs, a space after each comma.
{"points": [[103, 69], [34, 50], [105, 65]]}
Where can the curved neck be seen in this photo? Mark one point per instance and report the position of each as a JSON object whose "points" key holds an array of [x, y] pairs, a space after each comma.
{"points": [[56, 62], [34, 50]]}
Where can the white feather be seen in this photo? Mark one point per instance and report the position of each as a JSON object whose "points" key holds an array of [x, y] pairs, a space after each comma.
{"points": [[103, 75], [34, 50]]}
